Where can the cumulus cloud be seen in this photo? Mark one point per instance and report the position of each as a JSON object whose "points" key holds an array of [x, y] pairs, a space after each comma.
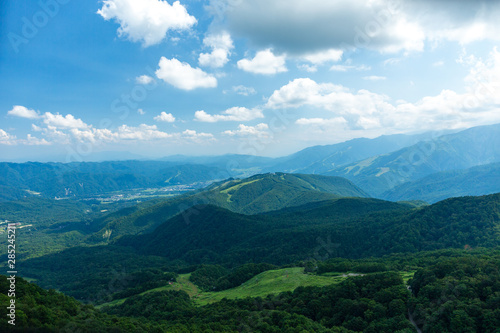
{"points": [[144, 79], [193, 136], [264, 62], [181, 75], [146, 21], [366, 110], [34, 141], [23, 112], [231, 114], [221, 46], [298, 27], [6, 138], [166, 117], [141, 132], [319, 58], [60, 121], [141, 112], [260, 131]]}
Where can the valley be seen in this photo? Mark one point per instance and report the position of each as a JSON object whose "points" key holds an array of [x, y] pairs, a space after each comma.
{"points": [[351, 245]]}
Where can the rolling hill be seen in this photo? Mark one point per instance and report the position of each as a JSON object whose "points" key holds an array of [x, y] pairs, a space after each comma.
{"points": [[378, 174], [257, 194], [219, 236]]}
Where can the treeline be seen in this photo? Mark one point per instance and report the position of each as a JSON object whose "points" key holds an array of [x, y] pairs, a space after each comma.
{"points": [[451, 291], [217, 278], [372, 303]]}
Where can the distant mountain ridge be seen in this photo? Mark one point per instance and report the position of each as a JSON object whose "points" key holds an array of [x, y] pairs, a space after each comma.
{"points": [[90, 178], [321, 159], [479, 180], [375, 165], [462, 150]]}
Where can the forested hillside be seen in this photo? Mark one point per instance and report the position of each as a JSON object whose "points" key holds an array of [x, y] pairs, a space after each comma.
{"points": [[257, 194], [215, 235]]}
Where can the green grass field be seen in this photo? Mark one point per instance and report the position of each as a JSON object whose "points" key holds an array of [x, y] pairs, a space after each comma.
{"points": [[266, 283]]}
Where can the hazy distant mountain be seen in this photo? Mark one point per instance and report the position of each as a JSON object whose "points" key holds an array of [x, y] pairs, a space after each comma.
{"points": [[89, 178], [257, 194], [231, 165], [480, 180], [321, 159], [465, 149]]}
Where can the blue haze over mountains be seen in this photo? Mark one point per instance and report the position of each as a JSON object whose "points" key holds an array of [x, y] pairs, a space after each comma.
{"points": [[429, 166]]}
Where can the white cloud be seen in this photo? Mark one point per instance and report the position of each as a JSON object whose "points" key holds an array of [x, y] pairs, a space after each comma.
{"points": [[321, 121], [192, 135], [221, 46], [319, 58], [94, 135], [231, 114], [264, 62], [146, 21], [144, 79], [166, 117], [53, 134], [141, 132], [365, 110], [345, 68], [374, 78], [308, 68], [23, 112], [438, 63], [242, 90], [181, 75], [260, 130], [59, 121], [6, 138], [141, 112], [34, 141]]}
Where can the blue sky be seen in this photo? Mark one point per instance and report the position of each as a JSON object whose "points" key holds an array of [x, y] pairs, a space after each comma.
{"points": [[156, 78]]}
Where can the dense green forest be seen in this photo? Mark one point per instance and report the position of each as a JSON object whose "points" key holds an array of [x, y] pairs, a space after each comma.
{"points": [[451, 291], [219, 237], [257, 194], [270, 253]]}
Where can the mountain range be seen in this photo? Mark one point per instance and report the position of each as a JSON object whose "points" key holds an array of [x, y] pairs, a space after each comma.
{"points": [[389, 167], [253, 195]]}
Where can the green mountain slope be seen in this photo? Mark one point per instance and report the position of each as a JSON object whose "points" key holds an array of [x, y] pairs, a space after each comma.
{"points": [[378, 174], [480, 180], [257, 194], [220, 236]]}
